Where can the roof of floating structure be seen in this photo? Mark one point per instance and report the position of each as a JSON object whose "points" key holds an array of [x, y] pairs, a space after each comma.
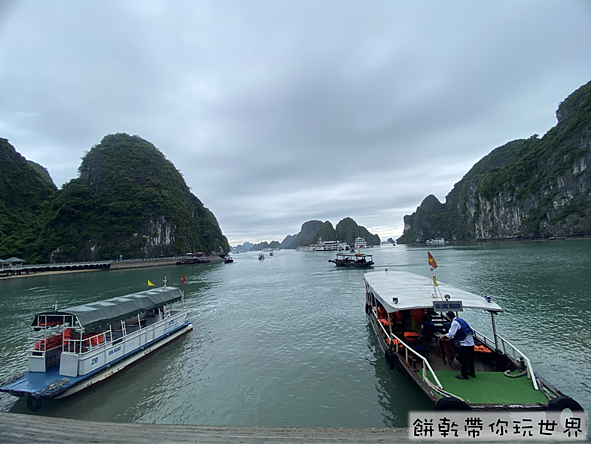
{"points": [[96, 314], [417, 292]]}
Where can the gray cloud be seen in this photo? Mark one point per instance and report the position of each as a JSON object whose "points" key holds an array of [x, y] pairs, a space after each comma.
{"points": [[281, 112]]}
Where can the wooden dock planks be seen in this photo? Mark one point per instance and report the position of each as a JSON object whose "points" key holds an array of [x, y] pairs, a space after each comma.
{"points": [[20, 428]]}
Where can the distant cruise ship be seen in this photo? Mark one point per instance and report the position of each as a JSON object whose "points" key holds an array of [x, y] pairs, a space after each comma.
{"points": [[439, 241], [325, 246]]}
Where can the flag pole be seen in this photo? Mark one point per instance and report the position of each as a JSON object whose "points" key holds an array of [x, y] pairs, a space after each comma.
{"points": [[432, 266]]}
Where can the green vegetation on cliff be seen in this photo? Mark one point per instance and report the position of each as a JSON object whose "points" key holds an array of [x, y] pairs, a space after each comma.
{"points": [[347, 230], [528, 188], [129, 200], [23, 192], [325, 233]]}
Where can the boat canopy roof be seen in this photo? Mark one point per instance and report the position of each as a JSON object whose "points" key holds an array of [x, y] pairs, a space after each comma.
{"points": [[96, 314], [417, 292]]}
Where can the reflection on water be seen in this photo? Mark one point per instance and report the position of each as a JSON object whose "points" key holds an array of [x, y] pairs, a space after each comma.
{"points": [[285, 342]]}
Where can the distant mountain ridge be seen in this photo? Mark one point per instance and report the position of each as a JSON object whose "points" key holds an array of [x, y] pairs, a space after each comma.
{"points": [[347, 230], [526, 189]]}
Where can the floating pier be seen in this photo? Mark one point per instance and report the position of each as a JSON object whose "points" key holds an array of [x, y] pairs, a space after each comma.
{"points": [[51, 267], [34, 429], [20, 270], [20, 428]]}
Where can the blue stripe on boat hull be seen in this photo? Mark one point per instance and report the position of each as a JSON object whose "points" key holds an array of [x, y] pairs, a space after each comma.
{"points": [[52, 384]]}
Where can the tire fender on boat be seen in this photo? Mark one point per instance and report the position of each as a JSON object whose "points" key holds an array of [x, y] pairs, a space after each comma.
{"points": [[389, 359], [34, 403], [451, 403], [561, 403], [367, 308]]}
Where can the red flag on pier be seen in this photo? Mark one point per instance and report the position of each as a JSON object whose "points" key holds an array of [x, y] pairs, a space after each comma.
{"points": [[432, 262], [183, 280]]}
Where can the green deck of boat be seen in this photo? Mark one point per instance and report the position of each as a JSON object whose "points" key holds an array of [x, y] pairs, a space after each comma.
{"points": [[490, 388]]}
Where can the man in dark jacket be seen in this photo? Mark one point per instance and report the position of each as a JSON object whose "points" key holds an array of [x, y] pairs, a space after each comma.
{"points": [[462, 332]]}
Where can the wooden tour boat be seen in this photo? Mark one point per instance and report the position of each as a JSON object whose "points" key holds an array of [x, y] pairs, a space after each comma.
{"points": [[353, 260], [194, 258], [505, 379]]}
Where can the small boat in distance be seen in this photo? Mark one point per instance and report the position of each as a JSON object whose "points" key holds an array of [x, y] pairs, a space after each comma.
{"points": [[194, 258], [228, 259], [409, 314], [437, 241], [353, 260], [261, 257], [74, 348]]}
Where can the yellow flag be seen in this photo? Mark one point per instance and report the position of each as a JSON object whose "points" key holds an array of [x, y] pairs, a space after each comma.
{"points": [[150, 284], [434, 282]]}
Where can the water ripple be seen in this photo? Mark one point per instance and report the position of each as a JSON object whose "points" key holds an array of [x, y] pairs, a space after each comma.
{"points": [[284, 341]]}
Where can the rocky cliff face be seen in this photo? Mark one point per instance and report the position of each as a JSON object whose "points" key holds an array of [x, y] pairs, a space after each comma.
{"points": [[159, 235], [24, 188], [534, 188], [307, 233], [129, 201], [347, 230]]}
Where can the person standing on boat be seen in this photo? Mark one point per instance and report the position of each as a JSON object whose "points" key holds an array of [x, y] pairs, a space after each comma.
{"points": [[462, 332], [417, 320]]}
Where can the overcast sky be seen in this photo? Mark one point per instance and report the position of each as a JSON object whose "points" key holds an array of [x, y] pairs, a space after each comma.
{"points": [[280, 112]]}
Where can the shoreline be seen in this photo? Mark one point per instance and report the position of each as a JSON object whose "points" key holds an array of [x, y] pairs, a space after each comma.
{"points": [[115, 265], [133, 264], [36, 274], [549, 239]]}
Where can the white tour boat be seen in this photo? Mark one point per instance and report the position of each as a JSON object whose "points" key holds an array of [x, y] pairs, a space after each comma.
{"points": [[437, 241], [505, 379], [76, 347], [326, 246]]}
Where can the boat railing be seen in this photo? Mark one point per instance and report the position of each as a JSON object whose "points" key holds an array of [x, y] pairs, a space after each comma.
{"points": [[111, 337], [45, 342], [116, 343], [90, 343], [426, 365], [508, 349], [407, 349]]}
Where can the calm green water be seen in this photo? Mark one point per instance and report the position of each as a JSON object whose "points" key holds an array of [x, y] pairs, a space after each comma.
{"points": [[285, 342]]}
